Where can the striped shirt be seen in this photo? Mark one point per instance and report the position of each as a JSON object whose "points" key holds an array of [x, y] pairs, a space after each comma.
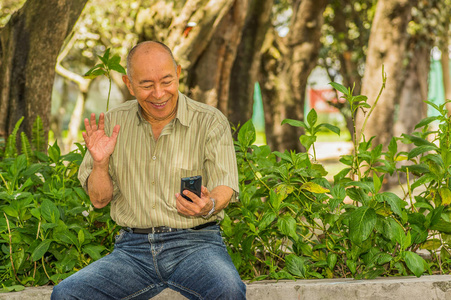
{"points": [[146, 173]]}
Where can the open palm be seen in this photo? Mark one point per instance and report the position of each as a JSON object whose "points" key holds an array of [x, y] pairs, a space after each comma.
{"points": [[98, 143]]}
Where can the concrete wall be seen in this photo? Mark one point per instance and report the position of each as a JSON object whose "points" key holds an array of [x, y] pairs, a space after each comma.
{"points": [[399, 288]]}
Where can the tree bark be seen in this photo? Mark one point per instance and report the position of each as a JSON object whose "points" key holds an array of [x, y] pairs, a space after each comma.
{"points": [[387, 46], [412, 108], [29, 46], [247, 63], [302, 46], [210, 76], [203, 36]]}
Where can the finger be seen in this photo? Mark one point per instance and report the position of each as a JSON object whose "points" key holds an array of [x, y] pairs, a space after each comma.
{"points": [[183, 206], [93, 122], [87, 126], [85, 137], [205, 192], [191, 195], [101, 121], [115, 131]]}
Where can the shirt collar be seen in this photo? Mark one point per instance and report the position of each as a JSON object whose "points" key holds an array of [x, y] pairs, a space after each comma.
{"points": [[183, 114]]}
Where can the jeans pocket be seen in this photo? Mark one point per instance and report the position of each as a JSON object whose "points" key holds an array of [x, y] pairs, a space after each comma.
{"points": [[119, 236]]}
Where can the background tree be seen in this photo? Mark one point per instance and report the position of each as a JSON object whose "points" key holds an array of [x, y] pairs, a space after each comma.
{"points": [[427, 18], [287, 63], [345, 35], [29, 45], [204, 36], [387, 46], [246, 67], [103, 24]]}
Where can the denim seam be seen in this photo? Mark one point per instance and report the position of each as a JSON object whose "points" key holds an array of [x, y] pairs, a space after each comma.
{"points": [[148, 288], [154, 259], [185, 289]]}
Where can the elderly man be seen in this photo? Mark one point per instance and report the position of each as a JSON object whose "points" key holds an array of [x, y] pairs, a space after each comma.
{"points": [[137, 156]]}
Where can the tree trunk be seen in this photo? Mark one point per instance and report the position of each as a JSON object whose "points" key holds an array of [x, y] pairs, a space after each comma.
{"points": [[76, 119], [387, 46], [29, 46], [83, 85], [273, 87], [412, 108], [247, 63], [298, 60], [209, 78], [203, 36]]}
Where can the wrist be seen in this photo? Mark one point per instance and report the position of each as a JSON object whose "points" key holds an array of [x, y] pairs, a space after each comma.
{"points": [[101, 165], [213, 209]]}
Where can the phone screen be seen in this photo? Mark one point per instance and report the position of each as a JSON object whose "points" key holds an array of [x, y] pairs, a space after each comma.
{"points": [[192, 184]]}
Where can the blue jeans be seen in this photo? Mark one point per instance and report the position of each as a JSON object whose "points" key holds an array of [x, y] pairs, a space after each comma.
{"points": [[192, 262]]}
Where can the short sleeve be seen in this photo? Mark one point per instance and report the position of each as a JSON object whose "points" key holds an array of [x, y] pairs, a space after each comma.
{"points": [[220, 158]]}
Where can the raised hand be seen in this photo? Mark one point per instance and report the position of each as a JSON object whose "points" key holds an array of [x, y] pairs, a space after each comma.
{"points": [[98, 143]]}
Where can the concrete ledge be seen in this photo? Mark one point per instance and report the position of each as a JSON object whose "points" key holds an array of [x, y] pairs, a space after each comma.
{"points": [[399, 288]]}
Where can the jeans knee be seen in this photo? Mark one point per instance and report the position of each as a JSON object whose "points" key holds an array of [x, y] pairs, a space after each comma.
{"points": [[58, 293], [233, 289]]}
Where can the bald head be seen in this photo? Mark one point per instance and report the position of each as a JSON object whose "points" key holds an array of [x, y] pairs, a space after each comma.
{"points": [[145, 47]]}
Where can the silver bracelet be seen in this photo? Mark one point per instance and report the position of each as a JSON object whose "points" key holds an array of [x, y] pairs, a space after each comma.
{"points": [[212, 211]]}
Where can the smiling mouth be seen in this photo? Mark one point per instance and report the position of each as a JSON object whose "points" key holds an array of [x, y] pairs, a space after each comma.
{"points": [[159, 104]]}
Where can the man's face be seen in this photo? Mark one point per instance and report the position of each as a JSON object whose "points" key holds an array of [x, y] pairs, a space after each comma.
{"points": [[154, 81]]}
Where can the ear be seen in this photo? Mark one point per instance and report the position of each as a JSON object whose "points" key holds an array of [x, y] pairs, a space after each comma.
{"points": [[179, 70], [128, 83]]}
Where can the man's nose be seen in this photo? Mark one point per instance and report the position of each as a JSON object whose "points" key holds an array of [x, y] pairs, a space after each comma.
{"points": [[158, 92]]}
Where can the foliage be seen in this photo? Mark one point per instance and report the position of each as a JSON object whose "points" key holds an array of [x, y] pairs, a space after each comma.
{"points": [[48, 228], [108, 64], [292, 223]]}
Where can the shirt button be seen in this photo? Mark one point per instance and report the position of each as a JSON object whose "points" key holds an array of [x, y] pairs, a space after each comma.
{"points": [[154, 157]]}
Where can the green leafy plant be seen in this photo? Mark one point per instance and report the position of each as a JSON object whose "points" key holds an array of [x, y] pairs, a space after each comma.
{"points": [[48, 228], [292, 223], [104, 68]]}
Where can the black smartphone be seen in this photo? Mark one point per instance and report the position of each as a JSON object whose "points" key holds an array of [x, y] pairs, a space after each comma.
{"points": [[192, 184]]}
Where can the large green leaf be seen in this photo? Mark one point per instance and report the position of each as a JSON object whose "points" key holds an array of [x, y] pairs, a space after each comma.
{"points": [[66, 236], [49, 211], [339, 88], [295, 123], [332, 128], [94, 251], [442, 226], [246, 135], [418, 141], [425, 121], [287, 225], [314, 188], [445, 194], [267, 219], [296, 265], [420, 150], [312, 117], [415, 263], [10, 211], [362, 222], [397, 204], [41, 249], [307, 140]]}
